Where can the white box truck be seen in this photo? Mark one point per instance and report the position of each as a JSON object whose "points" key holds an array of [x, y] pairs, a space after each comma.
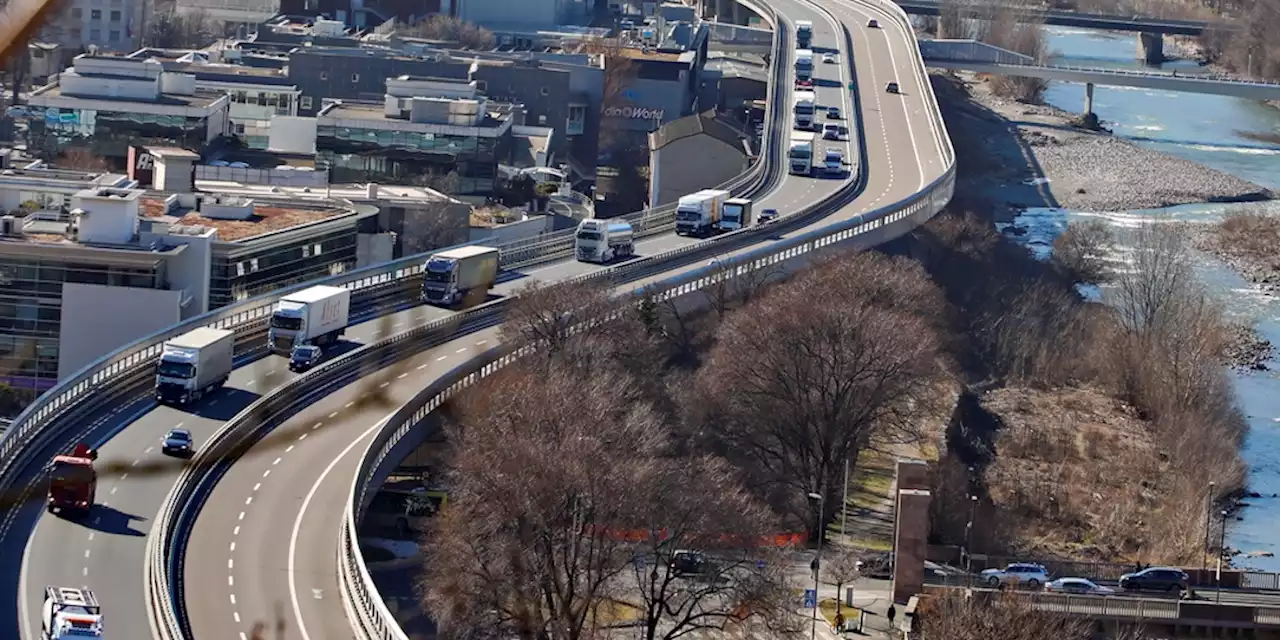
{"points": [[193, 364], [603, 241], [317, 315], [800, 153], [461, 275], [70, 613], [736, 214], [698, 214]]}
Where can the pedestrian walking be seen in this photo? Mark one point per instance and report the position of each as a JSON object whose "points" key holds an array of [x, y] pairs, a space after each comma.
{"points": [[891, 614]]}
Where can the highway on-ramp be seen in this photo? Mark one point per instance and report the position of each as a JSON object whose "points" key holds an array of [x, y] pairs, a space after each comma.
{"points": [[106, 551], [264, 547]]}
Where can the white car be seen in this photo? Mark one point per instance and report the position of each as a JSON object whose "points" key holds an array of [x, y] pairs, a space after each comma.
{"points": [[829, 58], [1077, 585], [1017, 574]]}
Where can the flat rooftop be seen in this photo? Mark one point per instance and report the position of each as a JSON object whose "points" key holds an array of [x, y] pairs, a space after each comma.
{"points": [[635, 53], [348, 191], [374, 111], [266, 218], [201, 98]]}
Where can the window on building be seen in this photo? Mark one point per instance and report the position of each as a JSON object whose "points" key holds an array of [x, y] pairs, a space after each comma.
{"points": [[272, 99], [239, 129], [355, 77], [545, 91], [114, 35], [115, 16], [482, 86], [542, 121], [304, 102], [77, 13], [240, 97], [95, 35], [37, 53], [95, 14], [317, 249], [324, 75]]}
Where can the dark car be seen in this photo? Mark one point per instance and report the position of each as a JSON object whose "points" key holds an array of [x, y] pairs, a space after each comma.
{"points": [[688, 563], [892, 87], [872, 24], [1170, 579], [833, 113], [304, 357], [768, 215], [178, 442]]}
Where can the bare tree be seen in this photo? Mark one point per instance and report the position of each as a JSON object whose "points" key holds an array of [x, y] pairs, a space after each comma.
{"points": [[1081, 251], [803, 379], [450, 28], [842, 566], [172, 29], [82, 159], [960, 616]]}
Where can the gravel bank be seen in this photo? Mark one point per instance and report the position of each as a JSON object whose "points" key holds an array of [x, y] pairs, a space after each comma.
{"points": [[1013, 156]]}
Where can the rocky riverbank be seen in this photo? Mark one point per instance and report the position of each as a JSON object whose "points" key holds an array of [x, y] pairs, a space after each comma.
{"points": [[1246, 349], [1014, 156]]}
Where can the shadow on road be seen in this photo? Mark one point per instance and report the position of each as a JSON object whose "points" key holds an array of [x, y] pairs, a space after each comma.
{"points": [[108, 520], [223, 405]]}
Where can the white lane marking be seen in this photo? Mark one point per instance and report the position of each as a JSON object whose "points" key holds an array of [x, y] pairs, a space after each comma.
{"points": [[90, 536], [462, 350], [318, 594], [237, 615], [383, 385], [402, 376], [250, 383], [349, 405], [271, 373], [257, 486], [241, 516], [114, 489], [233, 546], [233, 599], [442, 358], [317, 426], [297, 525], [302, 436], [397, 325], [231, 580], [277, 461], [125, 476], [248, 501], [136, 463], [87, 552], [236, 531], [266, 473], [179, 425], [84, 571], [481, 342], [333, 415], [421, 367], [288, 449]]}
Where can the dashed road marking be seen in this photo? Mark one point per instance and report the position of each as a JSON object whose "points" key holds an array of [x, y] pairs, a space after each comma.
{"points": [[349, 405], [276, 462], [383, 385], [257, 486], [442, 358], [302, 436], [462, 350], [421, 367], [402, 376], [233, 599], [248, 501], [288, 449], [333, 415]]}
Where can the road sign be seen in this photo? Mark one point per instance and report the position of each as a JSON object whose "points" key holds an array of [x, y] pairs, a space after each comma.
{"points": [[810, 598], [760, 565]]}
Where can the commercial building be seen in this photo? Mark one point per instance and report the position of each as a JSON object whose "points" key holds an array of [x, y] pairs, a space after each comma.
{"points": [[693, 153], [108, 25], [106, 104], [120, 262], [256, 94], [424, 130]]}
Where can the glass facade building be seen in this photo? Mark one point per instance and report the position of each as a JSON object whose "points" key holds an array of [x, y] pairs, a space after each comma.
{"points": [[391, 156], [108, 134], [31, 308], [241, 271]]}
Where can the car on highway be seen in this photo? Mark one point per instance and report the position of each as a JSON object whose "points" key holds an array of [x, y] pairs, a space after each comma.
{"points": [[178, 442], [804, 83], [304, 357], [1168, 579], [872, 24], [833, 113], [767, 216], [892, 87], [1081, 586], [1019, 573], [829, 58], [831, 132]]}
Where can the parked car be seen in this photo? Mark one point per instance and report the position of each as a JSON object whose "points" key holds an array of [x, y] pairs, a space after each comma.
{"points": [[892, 87], [178, 442], [304, 357], [1018, 573], [1170, 579], [1077, 586], [872, 24]]}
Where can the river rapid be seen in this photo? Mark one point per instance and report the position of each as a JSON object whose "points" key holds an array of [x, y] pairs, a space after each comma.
{"points": [[1222, 133]]}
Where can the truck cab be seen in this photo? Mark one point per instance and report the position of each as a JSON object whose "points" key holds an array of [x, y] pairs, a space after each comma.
{"points": [[73, 482], [70, 614], [316, 315], [450, 277], [603, 241]]}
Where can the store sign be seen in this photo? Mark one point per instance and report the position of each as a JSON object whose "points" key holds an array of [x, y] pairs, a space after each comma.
{"points": [[142, 165], [635, 113]]}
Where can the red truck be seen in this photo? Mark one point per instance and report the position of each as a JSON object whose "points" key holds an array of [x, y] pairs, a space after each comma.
{"points": [[73, 482]]}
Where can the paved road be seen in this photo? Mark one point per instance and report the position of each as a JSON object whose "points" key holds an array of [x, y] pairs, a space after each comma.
{"points": [[264, 546]]}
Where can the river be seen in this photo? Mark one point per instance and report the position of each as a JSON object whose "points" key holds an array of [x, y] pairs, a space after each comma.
{"points": [[1211, 130]]}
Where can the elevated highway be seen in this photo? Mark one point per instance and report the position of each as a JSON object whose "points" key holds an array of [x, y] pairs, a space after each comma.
{"points": [[1060, 17], [905, 150]]}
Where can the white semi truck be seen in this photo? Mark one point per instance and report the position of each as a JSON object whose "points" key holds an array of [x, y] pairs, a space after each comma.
{"points": [[461, 275], [803, 109], [193, 364], [800, 154], [735, 215], [318, 315], [804, 33], [70, 614], [604, 240], [698, 214], [804, 67]]}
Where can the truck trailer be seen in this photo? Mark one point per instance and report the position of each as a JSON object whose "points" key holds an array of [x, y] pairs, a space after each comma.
{"points": [[804, 110], [70, 613], [604, 240], [804, 68], [800, 154], [318, 315], [73, 482], [698, 214], [736, 214], [193, 364], [461, 275]]}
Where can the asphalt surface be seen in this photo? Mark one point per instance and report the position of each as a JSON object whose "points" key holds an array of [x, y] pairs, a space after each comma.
{"points": [[283, 563]]}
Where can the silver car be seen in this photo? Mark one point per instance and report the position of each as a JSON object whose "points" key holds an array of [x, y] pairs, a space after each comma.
{"points": [[1017, 574], [1078, 586]]}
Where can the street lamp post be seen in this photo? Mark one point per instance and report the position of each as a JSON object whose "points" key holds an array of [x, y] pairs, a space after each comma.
{"points": [[968, 536], [1222, 546], [817, 565], [1208, 520]]}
